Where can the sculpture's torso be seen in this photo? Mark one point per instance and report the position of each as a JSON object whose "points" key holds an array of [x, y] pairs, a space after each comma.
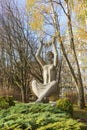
{"points": [[49, 73]]}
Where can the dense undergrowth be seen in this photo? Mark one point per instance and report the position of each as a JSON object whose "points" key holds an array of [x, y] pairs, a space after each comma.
{"points": [[6, 102], [37, 117]]}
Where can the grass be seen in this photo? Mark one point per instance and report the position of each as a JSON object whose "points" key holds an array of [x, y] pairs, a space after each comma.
{"points": [[80, 114]]}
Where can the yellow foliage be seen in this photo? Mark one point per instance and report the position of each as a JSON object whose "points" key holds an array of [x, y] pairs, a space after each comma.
{"points": [[44, 8], [37, 20], [82, 34], [30, 4], [81, 10]]}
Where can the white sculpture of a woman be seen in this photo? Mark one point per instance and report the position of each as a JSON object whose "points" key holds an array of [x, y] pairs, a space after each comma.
{"points": [[49, 74]]}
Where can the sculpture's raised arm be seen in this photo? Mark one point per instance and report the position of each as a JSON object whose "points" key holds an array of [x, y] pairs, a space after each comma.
{"points": [[55, 52], [38, 57]]}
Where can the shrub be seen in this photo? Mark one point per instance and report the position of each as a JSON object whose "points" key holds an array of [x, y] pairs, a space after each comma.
{"points": [[10, 100], [37, 117], [65, 104], [69, 124], [5, 102]]}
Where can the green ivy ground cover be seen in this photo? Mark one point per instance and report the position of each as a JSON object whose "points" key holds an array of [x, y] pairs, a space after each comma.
{"points": [[37, 117]]}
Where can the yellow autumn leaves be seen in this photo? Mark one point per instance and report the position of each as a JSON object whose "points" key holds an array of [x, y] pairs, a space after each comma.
{"points": [[37, 20], [30, 4], [81, 10], [36, 8], [82, 34]]}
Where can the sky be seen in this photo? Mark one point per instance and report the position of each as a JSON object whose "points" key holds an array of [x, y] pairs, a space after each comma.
{"points": [[21, 2]]}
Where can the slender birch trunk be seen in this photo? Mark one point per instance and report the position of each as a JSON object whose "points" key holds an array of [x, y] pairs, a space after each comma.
{"points": [[78, 80]]}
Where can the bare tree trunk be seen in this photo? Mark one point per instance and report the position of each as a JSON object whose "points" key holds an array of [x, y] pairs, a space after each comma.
{"points": [[78, 80], [81, 101], [59, 76], [23, 94]]}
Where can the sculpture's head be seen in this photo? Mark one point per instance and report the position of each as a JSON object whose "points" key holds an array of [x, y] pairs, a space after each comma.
{"points": [[50, 57]]}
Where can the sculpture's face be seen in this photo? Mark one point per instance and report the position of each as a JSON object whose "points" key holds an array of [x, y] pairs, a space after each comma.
{"points": [[50, 57]]}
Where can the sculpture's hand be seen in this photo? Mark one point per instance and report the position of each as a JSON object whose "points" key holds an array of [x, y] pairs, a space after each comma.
{"points": [[39, 59]]}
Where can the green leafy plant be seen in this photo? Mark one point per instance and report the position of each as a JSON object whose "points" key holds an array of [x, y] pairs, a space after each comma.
{"points": [[37, 117], [10, 100], [66, 105], [7, 101]]}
